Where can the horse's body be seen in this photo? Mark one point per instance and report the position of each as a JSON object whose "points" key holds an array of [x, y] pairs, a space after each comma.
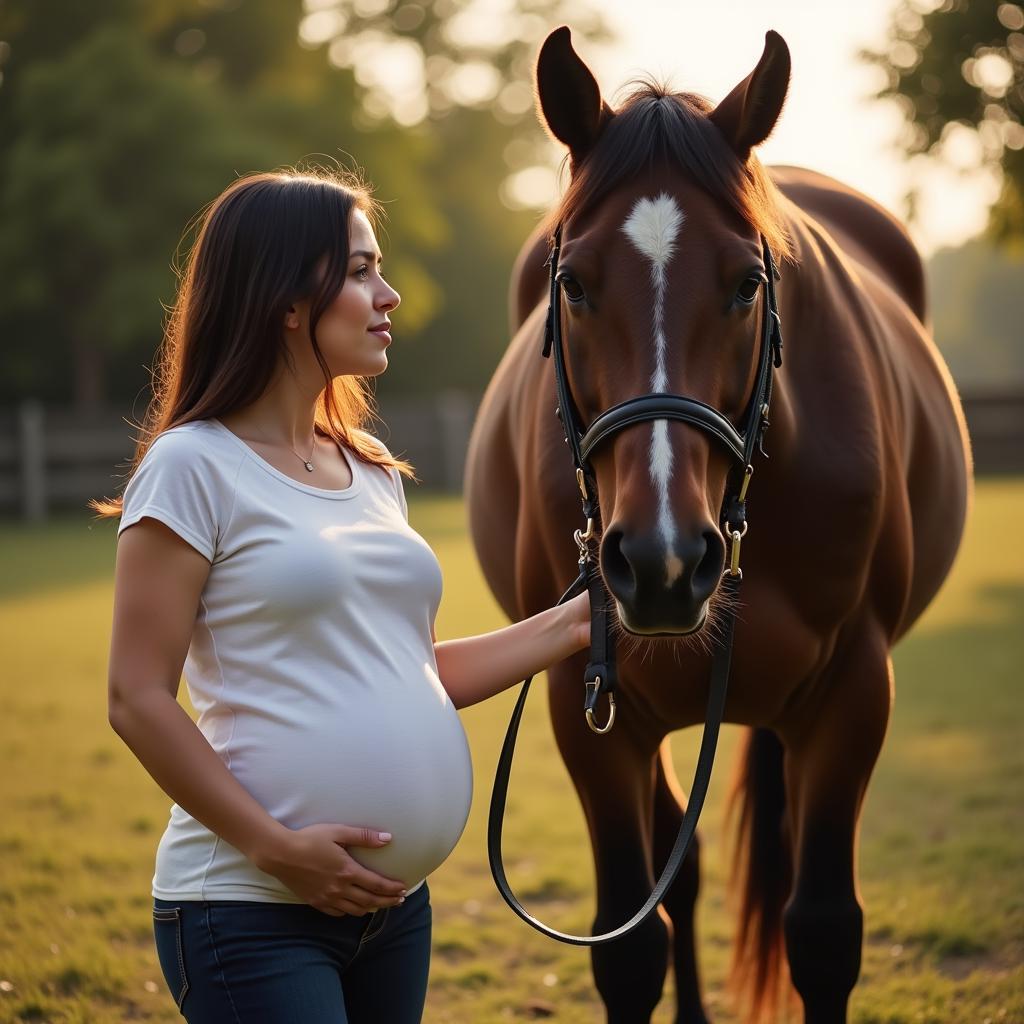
{"points": [[855, 519]]}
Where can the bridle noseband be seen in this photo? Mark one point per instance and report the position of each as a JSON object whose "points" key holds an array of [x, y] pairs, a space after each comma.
{"points": [[600, 675], [665, 406]]}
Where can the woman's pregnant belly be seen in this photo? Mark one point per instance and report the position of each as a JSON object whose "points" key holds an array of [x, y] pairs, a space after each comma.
{"points": [[397, 763]]}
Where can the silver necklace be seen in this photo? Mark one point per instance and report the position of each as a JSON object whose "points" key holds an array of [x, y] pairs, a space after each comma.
{"points": [[308, 463]]}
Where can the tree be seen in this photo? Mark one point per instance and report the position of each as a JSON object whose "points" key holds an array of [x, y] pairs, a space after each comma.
{"points": [[415, 60], [121, 120], [956, 66], [88, 207], [117, 139]]}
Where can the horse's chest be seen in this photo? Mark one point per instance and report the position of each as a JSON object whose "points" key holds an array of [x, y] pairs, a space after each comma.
{"points": [[775, 649]]}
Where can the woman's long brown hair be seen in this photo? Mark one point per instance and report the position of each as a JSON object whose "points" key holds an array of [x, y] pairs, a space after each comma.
{"points": [[256, 253]]}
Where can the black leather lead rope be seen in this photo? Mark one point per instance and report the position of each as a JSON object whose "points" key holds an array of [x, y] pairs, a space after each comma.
{"points": [[600, 675], [688, 826]]}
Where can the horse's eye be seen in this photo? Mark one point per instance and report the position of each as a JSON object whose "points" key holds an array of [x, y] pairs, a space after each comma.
{"points": [[571, 287], [748, 290]]}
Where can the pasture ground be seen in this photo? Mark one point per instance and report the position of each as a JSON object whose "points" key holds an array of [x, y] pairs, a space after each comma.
{"points": [[941, 853]]}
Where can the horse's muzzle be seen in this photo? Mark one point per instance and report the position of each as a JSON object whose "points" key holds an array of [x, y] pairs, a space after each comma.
{"points": [[660, 591]]}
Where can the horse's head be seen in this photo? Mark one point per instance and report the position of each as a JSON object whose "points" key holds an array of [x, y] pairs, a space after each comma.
{"points": [[662, 277]]}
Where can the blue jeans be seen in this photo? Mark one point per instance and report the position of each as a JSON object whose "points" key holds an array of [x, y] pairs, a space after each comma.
{"points": [[230, 962]]}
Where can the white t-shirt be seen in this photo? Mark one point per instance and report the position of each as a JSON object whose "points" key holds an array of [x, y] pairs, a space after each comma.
{"points": [[311, 663]]}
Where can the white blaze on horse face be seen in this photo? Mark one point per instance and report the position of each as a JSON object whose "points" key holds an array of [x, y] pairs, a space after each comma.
{"points": [[653, 227]]}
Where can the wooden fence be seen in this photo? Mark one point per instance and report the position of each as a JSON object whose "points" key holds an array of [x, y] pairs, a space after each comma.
{"points": [[995, 421], [55, 460]]}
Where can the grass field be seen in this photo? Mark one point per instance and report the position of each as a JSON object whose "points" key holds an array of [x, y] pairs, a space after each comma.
{"points": [[941, 856]]}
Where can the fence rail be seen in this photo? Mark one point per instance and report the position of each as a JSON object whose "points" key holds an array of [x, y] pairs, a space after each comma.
{"points": [[995, 421], [55, 460]]}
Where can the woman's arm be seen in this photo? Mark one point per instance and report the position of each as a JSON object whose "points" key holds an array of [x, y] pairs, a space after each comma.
{"points": [[477, 667], [157, 583]]}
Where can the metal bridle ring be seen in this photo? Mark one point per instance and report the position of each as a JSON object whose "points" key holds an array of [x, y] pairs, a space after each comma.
{"points": [[601, 730], [730, 529]]}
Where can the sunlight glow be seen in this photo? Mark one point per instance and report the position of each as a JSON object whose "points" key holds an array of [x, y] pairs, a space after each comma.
{"points": [[484, 24], [531, 188], [473, 83], [1010, 16], [991, 72], [370, 8], [830, 122], [317, 28], [516, 98]]}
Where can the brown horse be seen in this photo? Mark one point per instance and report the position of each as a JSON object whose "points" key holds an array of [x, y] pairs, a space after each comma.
{"points": [[855, 517]]}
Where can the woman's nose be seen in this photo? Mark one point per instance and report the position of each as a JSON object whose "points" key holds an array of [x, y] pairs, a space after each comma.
{"points": [[391, 299]]}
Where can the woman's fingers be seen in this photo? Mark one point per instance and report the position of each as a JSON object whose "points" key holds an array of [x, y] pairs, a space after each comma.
{"points": [[355, 902], [348, 835], [319, 869], [367, 901], [377, 885], [333, 911]]}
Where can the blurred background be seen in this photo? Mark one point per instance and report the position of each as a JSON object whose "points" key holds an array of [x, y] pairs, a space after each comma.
{"points": [[120, 120]]}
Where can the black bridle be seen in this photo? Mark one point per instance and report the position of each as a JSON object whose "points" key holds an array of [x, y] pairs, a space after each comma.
{"points": [[600, 674]]}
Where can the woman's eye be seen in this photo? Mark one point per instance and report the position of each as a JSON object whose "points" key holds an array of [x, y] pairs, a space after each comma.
{"points": [[364, 272], [571, 287], [748, 290]]}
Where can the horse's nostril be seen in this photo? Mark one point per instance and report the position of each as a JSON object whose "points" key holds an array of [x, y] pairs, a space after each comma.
{"points": [[709, 569], [617, 571]]}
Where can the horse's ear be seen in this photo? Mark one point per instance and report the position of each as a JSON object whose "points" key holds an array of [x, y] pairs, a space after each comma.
{"points": [[748, 114], [569, 96]]}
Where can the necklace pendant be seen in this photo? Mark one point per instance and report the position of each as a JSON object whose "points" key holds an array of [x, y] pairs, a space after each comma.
{"points": [[309, 466]]}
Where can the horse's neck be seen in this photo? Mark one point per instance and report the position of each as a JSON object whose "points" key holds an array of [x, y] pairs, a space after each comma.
{"points": [[818, 298], [815, 290]]}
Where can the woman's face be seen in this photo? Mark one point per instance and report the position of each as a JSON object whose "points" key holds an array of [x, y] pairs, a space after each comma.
{"points": [[345, 332]]}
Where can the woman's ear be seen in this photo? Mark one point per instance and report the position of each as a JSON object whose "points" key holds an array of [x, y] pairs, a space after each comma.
{"points": [[748, 114]]}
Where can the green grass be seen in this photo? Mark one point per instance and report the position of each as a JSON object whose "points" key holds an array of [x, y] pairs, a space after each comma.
{"points": [[942, 845]]}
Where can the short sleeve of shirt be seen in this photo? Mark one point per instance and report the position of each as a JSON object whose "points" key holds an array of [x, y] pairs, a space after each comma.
{"points": [[397, 477], [179, 483]]}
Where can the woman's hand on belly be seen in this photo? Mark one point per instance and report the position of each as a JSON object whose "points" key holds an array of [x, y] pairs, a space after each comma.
{"points": [[315, 865]]}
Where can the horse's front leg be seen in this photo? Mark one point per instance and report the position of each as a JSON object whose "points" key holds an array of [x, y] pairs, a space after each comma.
{"points": [[614, 778], [829, 758]]}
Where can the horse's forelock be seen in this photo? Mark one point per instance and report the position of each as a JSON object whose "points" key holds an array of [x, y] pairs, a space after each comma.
{"points": [[654, 125]]}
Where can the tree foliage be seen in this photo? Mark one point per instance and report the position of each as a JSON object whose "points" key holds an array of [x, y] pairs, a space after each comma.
{"points": [[958, 65], [416, 59], [121, 120], [86, 237]]}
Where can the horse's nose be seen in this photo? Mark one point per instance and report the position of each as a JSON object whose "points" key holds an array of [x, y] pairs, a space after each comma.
{"points": [[707, 556], [664, 587]]}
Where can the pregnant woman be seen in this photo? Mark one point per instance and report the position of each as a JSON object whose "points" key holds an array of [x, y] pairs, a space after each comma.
{"points": [[264, 548]]}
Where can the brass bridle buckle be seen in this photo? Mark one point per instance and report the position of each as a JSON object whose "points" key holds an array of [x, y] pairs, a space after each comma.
{"points": [[735, 537], [583, 541], [737, 533], [593, 691]]}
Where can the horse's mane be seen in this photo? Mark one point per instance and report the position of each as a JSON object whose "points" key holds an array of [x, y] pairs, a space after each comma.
{"points": [[655, 125]]}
